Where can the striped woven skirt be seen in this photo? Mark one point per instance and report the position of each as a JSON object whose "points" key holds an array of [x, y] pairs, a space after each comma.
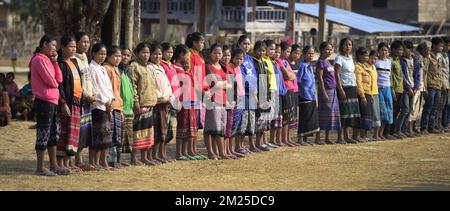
{"points": [[309, 118], [85, 127], [229, 126], [101, 130], [143, 130], [289, 109], [116, 126], [69, 136], [127, 133], [187, 126], [349, 108], [329, 114], [366, 114]]}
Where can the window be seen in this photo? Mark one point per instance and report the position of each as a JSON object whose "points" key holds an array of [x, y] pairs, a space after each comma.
{"points": [[379, 3]]}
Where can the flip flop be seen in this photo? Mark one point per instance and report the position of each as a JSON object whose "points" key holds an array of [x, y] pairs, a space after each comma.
{"points": [[182, 158], [46, 173], [62, 171]]}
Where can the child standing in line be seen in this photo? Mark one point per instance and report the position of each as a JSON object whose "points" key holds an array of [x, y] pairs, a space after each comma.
{"points": [[163, 105], [196, 44], [308, 113], [247, 127], [264, 97], [383, 66], [113, 59], [401, 99], [145, 98], [101, 108], [171, 74], [376, 100], [126, 93], [411, 82], [366, 84], [290, 99], [237, 58], [226, 62], [216, 114], [329, 115], [187, 116], [276, 130]]}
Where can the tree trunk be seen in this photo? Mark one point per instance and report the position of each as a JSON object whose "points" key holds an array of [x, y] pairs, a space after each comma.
{"points": [[163, 11], [116, 8], [129, 23], [137, 22], [71, 16]]}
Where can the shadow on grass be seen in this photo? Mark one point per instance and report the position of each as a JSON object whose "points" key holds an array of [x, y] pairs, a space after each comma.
{"points": [[17, 167]]}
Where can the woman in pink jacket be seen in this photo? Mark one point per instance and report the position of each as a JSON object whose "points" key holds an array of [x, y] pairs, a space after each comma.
{"points": [[45, 79]]}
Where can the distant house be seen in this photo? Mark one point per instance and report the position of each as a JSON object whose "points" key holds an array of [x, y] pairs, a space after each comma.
{"points": [[432, 15], [227, 17], [5, 15]]}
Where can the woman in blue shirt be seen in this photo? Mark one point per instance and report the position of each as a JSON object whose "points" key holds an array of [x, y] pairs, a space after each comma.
{"points": [[308, 112]]}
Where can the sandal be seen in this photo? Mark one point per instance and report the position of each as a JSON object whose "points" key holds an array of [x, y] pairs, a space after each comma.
{"points": [[87, 167], [136, 163], [46, 173], [61, 171], [183, 158], [75, 169]]}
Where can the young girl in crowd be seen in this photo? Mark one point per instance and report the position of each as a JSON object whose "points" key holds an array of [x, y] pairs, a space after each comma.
{"points": [[70, 92], [277, 122], [13, 91], [383, 66], [83, 45], [264, 97], [171, 74], [226, 62], [127, 95], [216, 114], [346, 85], [163, 105], [196, 44], [237, 58], [187, 126], [101, 108], [145, 98], [247, 125], [290, 99], [308, 113], [113, 59], [376, 99], [367, 88], [329, 116]]}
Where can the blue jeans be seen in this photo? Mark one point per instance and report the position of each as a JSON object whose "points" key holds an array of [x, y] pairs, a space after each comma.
{"points": [[446, 113], [403, 102], [430, 109]]}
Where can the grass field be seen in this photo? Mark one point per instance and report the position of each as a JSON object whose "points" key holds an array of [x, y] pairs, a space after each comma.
{"points": [[411, 164]]}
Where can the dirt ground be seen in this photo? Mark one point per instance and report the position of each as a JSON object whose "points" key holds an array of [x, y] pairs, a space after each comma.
{"points": [[410, 164]]}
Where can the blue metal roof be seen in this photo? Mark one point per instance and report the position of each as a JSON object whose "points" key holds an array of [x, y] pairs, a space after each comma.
{"points": [[354, 20]]}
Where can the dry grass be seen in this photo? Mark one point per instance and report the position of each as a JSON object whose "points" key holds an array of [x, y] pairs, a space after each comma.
{"points": [[413, 164]]}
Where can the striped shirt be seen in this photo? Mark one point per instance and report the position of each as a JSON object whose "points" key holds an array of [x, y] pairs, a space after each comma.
{"points": [[384, 72]]}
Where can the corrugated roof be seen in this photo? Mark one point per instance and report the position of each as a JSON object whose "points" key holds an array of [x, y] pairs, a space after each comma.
{"points": [[347, 18]]}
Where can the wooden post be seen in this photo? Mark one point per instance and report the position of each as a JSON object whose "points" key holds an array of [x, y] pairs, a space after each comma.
{"points": [[137, 22], [330, 28], [290, 22], [202, 16], [322, 19], [163, 22], [253, 14], [129, 23], [116, 8]]}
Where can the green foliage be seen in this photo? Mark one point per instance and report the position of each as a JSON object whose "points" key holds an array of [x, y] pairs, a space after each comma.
{"points": [[26, 9]]}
